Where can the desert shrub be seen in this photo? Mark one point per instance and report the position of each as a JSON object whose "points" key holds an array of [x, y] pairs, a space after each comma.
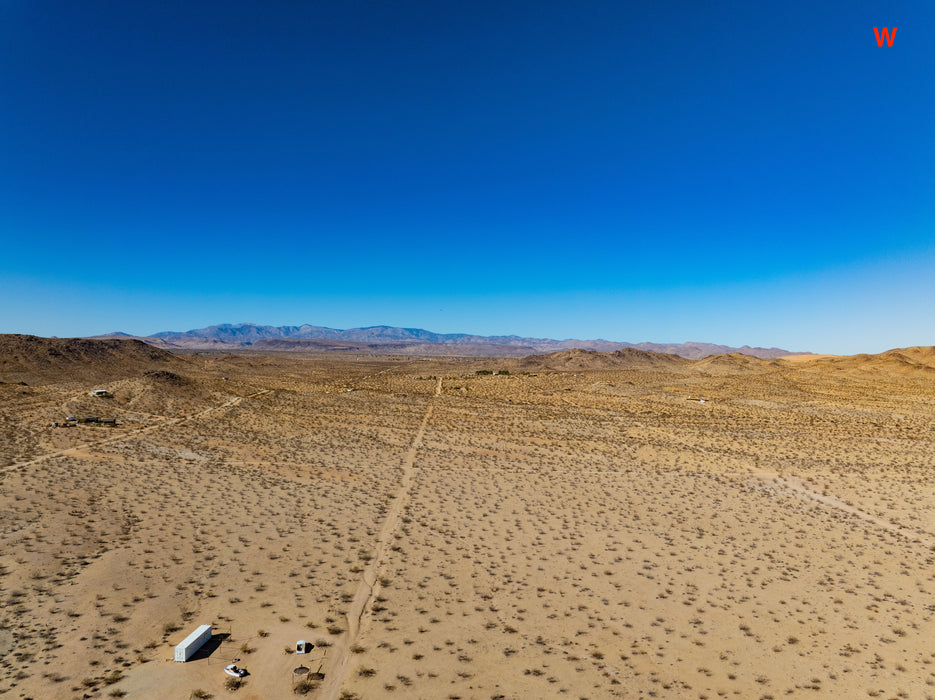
{"points": [[304, 687], [113, 677]]}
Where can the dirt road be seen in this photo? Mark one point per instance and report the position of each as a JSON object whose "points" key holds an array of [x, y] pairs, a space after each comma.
{"points": [[358, 615]]}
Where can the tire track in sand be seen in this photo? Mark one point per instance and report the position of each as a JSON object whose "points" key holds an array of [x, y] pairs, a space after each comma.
{"points": [[795, 485], [357, 615]]}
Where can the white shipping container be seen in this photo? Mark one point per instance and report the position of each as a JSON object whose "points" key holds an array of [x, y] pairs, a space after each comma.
{"points": [[192, 643]]}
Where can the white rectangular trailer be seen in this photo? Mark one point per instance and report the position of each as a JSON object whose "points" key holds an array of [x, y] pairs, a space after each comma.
{"points": [[192, 643]]}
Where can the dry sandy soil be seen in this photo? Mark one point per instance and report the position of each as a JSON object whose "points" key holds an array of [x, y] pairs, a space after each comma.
{"points": [[584, 527]]}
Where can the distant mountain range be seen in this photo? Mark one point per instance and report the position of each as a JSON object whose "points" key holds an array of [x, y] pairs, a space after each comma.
{"points": [[390, 339]]}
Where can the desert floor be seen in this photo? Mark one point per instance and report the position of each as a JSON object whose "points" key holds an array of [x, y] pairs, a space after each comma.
{"points": [[440, 534]]}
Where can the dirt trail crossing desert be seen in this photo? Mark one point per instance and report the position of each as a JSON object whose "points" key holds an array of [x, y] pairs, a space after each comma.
{"points": [[369, 584]]}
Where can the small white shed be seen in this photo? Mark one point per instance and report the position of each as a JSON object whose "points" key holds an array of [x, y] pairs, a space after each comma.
{"points": [[192, 643]]}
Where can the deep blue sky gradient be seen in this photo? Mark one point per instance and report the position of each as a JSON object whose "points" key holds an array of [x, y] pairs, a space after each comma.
{"points": [[756, 173]]}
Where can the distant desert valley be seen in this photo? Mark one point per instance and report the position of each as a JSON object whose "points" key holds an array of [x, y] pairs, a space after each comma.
{"points": [[577, 524]]}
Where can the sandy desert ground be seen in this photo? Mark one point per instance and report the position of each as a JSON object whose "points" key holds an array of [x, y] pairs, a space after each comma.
{"points": [[583, 527]]}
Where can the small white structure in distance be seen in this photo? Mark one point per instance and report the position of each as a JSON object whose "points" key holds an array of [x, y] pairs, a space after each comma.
{"points": [[300, 646], [192, 643], [101, 393]]}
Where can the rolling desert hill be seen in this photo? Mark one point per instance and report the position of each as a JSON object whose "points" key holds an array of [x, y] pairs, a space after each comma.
{"points": [[733, 362], [580, 360], [176, 345], [143, 380], [915, 361], [31, 359], [921, 354], [910, 362]]}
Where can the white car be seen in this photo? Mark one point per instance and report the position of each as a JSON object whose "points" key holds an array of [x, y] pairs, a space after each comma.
{"points": [[232, 670]]}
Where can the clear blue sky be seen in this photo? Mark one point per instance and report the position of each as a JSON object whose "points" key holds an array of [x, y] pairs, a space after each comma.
{"points": [[729, 172]]}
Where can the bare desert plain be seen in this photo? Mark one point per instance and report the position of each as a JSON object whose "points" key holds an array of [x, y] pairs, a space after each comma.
{"points": [[582, 527]]}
